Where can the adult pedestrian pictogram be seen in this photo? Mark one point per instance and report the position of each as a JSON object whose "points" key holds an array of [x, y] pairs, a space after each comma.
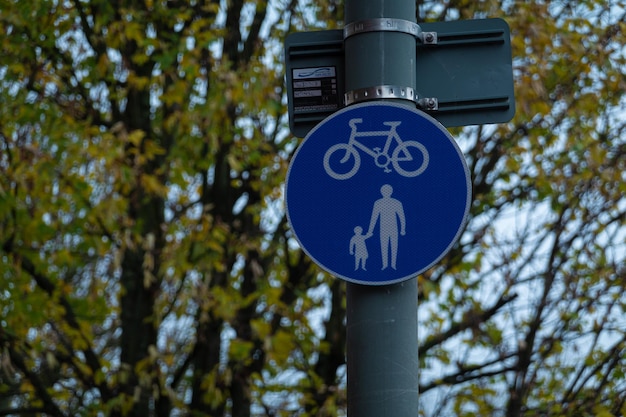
{"points": [[389, 212], [343, 160], [377, 193]]}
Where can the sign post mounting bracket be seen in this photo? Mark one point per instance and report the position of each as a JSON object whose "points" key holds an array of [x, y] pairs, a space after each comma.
{"points": [[464, 74]]}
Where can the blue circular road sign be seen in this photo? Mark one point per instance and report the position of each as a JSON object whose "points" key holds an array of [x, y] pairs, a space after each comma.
{"points": [[377, 193]]}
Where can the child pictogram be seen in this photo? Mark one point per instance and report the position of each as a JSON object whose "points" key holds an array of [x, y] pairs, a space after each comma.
{"points": [[358, 248]]}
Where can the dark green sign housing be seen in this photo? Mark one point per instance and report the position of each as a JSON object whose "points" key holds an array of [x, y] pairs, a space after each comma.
{"points": [[464, 74]]}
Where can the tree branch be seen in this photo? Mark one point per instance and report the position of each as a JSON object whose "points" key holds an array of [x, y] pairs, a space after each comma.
{"points": [[471, 320], [92, 360], [50, 407]]}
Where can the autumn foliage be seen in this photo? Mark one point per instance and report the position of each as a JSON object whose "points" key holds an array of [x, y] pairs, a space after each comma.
{"points": [[146, 266]]}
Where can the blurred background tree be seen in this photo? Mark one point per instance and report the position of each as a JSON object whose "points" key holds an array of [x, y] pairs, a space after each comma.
{"points": [[147, 268]]}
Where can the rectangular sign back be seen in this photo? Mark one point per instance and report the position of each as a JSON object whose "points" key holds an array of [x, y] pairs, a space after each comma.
{"points": [[468, 71]]}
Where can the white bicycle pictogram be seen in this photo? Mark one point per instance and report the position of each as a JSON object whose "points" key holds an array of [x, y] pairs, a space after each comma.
{"points": [[402, 158]]}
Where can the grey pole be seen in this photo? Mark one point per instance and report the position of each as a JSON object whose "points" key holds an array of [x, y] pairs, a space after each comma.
{"points": [[381, 320], [382, 350]]}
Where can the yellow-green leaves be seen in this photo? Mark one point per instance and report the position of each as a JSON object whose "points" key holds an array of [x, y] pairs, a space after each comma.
{"points": [[146, 267]]}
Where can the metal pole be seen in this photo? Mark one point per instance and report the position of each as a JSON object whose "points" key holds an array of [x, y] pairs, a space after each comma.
{"points": [[382, 346], [382, 350]]}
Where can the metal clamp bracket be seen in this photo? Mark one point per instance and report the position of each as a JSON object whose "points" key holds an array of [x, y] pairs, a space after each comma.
{"points": [[382, 25], [428, 103], [380, 92], [429, 38], [390, 25]]}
